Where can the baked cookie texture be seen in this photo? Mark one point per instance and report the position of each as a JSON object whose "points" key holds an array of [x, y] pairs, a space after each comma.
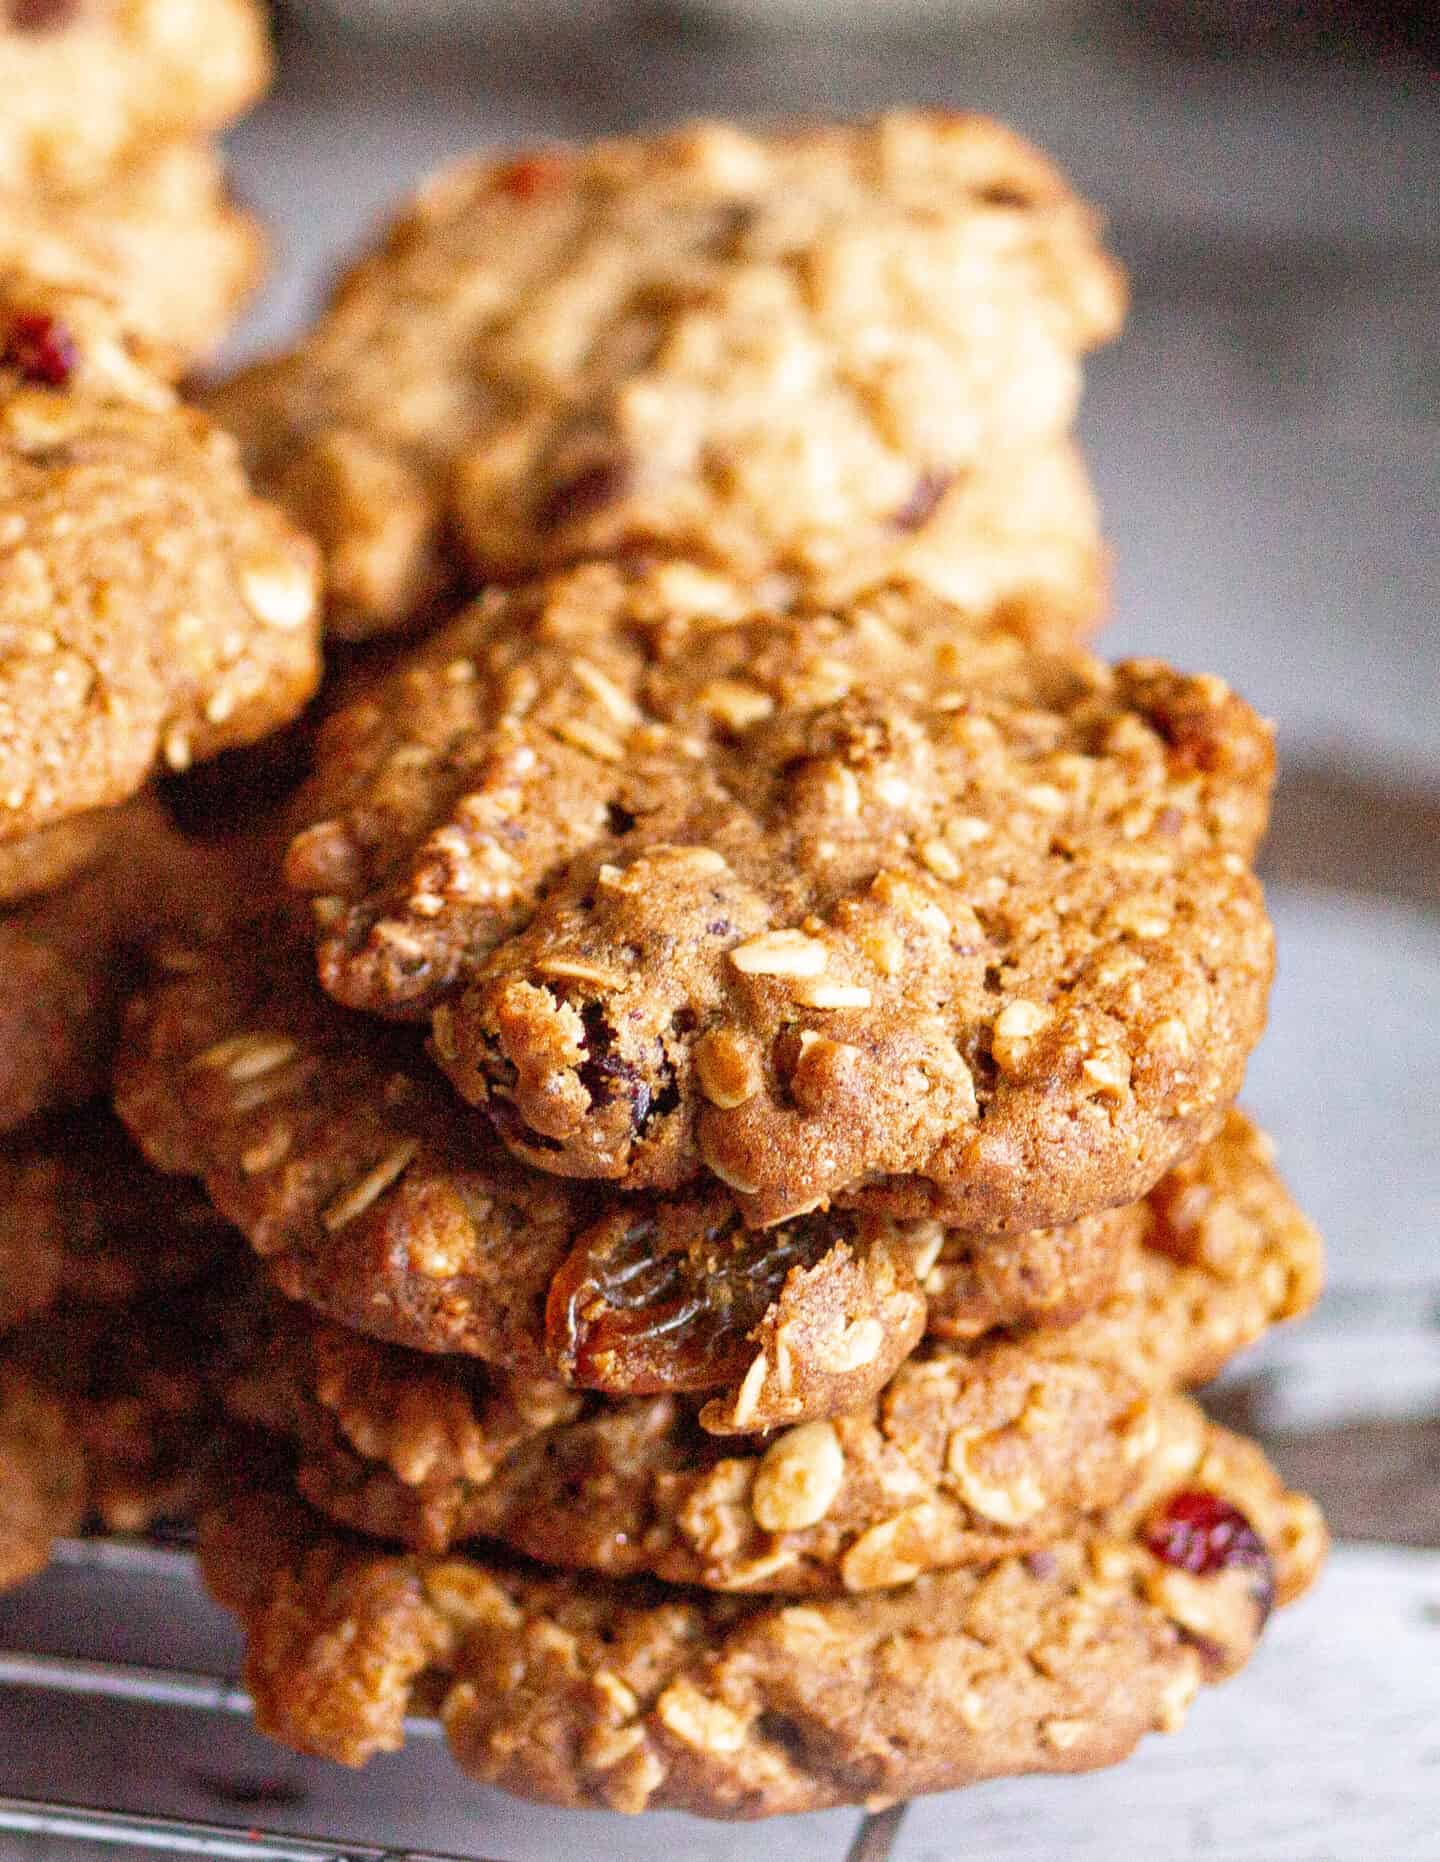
{"points": [[162, 237], [152, 611], [970, 1451], [337, 1147], [584, 1691], [69, 957], [809, 359], [92, 85], [864, 902]]}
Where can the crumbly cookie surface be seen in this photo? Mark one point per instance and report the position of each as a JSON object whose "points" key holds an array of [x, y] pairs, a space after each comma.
{"points": [[583, 1691], [163, 238], [89, 85], [790, 356], [870, 901], [333, 1143], [970, 1451], [152, 612], [68, 957]]}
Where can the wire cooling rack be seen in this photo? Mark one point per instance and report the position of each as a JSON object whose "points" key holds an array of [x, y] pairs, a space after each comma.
{"points": [[102, 1681]]}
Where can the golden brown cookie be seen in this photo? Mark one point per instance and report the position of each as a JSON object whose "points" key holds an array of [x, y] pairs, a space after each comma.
{"points": [[162, 237], [151, 610], [872, 902], [583, 1691], [971, 1450], [333, 1143], [67, 958], [795, 356], [90, 86]]}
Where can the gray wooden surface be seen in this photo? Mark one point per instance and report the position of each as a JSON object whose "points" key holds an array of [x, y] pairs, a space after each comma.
{"points": [[1266, 438]]}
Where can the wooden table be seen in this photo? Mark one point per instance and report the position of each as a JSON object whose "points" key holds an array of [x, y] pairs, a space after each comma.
{"points": [[1266, 438]]}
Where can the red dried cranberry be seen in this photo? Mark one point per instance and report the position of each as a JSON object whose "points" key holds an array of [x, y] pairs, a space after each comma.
{"points": [[1202, 1533], [40, 349], [528, 175]]}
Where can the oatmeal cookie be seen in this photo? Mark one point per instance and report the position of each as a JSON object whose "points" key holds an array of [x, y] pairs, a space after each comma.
{"points": [[585, 1691], [89, 85], [971, 1450], [335, 1146], [793, 356], [869, 901], [82, 1218], [163, 238], [42, 1485], [151, 610], [67, 958]]}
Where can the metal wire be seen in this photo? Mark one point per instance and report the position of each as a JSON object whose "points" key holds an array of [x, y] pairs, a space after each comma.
{"points": [[23, 1816], [164, 1687]]}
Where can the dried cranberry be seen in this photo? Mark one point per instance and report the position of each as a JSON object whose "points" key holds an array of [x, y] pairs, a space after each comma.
{"points": [[925, 496], [1202, 1533], [40, 348], [528, 175], [582, 493]]}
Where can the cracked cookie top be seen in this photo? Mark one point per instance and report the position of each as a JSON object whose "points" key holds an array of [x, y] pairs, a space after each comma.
{"points": [[152, 611], [865, 902], [793, 356]]}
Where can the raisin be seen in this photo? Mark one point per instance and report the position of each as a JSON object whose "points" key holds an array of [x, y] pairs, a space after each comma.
{"points": [[925, 496], [583, 493], [667, 1301], [40, 349], [1203, 1534]]}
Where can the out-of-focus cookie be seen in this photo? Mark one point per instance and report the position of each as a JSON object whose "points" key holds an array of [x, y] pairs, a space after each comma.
{"points": [[583, 1691], [68, 957], [152, 612], [872, 902], [43, 861], [162, 237], [82, 1219], [793, 356], [91, 86]]}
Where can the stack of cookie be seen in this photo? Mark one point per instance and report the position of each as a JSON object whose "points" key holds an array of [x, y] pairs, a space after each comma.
{"points": [[108, 178], [726, 1071], [153, 613]]}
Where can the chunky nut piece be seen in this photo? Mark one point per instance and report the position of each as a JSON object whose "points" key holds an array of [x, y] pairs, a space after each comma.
{"points": [[728, 1067], [799, 1478], [780, 953]]}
